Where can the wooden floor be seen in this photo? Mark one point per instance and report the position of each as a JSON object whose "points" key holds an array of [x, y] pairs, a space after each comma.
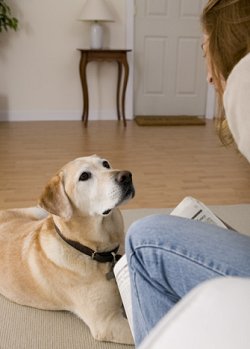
{"points": [[168, 163]]}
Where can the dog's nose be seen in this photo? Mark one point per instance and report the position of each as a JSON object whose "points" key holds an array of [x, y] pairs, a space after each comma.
{"points": [[124, 177]]}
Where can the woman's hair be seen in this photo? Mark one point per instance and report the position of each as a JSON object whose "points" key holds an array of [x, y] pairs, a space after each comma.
{"points": [[227, 25]]}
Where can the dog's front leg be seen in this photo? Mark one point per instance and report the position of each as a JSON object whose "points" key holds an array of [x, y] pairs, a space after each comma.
{"points": [[101, 309], [112, 328]]}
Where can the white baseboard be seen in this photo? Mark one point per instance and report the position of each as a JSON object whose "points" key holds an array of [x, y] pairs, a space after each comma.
{"points": [[11, 116]]}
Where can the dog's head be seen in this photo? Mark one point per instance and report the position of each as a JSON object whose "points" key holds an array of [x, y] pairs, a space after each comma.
{"points": [[87, 185]]}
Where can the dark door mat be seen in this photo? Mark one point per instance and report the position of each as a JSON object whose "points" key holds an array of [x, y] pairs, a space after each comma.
{"points": [[175, 120]]}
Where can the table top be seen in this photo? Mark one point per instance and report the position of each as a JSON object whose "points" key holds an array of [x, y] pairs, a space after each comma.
{"points": [[104, 50]]}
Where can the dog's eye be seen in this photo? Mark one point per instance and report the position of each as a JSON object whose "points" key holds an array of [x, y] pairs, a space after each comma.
{"points": [[106, 164], [85, 176]]}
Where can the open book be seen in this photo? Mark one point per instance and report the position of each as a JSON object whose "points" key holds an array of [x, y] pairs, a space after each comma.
{"points": [[188, 208]]}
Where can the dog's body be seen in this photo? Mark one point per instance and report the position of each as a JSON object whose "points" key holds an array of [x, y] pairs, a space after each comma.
{"points": [[39, 269]]}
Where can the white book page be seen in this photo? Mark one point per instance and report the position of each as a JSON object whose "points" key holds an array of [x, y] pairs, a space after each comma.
{"points": [[123, 281], [194, 209]]}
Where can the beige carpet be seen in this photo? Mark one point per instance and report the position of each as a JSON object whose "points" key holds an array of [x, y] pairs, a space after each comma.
{"points": [[28, 328], [179, 120]]}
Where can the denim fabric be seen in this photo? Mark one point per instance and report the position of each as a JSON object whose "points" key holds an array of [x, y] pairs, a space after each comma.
{"points": [[169, 255]]}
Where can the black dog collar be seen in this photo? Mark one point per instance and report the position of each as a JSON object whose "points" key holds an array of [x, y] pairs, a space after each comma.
{"points": [[101, 257]]}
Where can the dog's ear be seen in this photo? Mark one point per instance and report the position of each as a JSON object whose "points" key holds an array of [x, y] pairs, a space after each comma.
{"points": [[54, 198]]}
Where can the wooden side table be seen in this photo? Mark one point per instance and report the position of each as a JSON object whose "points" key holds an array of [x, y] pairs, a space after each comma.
{"points": [[120, 56]]}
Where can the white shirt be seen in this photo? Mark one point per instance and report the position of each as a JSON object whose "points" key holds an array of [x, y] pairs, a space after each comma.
{"points": [[237, 104]]}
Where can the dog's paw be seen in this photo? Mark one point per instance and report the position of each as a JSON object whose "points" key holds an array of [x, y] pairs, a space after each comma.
{"points": [[117, 331]]}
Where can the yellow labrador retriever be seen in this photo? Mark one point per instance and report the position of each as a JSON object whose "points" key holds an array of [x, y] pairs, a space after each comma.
{"points": [[61, 259]]}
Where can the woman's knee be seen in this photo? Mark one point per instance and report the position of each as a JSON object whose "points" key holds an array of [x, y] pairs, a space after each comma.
{"points": [[152, 230]]}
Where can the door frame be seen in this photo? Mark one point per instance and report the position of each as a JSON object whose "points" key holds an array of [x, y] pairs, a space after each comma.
{"points": [[130, 23], [130, 44]]}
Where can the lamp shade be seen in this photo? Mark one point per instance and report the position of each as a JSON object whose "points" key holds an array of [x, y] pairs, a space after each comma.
{"points": [[96, 10]]}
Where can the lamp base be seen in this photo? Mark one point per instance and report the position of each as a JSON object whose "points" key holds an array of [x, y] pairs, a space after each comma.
{"points": [[96, 36]]}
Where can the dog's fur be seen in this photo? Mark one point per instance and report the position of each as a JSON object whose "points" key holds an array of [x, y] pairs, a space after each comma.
{"points": [[39, 269]]}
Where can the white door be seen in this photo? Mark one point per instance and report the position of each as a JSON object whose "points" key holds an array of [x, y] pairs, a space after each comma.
{"points": [[170, 74]]}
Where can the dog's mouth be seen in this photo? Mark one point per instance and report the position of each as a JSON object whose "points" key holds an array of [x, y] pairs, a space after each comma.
{"points": [[128, 193], [105, 213]]}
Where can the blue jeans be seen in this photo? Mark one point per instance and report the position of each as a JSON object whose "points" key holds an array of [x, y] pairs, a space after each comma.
{"points": [[168, 256]]}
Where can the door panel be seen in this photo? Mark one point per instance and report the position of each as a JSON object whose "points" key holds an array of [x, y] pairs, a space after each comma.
{"points": [[155, 55], [186, 66]]}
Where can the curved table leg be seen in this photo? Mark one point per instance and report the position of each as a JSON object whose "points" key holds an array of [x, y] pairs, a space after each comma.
{"points": [[118, 91], [125, 82], [83, 66]]}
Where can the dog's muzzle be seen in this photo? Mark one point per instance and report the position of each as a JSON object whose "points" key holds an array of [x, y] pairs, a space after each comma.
{"points": [[127, 190]]}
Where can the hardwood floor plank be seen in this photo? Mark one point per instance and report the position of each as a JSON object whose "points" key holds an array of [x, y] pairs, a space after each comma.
{"points": [[168, 163]]}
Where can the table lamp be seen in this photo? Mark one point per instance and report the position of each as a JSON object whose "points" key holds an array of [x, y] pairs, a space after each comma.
{"points": [[96, 11]]}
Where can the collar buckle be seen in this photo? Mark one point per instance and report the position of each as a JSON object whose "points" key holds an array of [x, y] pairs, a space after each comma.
{"points": [[93, 255]]}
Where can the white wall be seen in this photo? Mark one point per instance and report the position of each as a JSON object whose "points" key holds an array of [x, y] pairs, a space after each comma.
{"points": [[39, 76]]}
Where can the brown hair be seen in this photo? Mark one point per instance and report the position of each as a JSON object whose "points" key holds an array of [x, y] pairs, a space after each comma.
{"points": [[227, 24]]}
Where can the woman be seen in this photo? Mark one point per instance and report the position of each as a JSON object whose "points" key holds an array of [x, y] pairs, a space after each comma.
{"points": [[168, 256]]}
